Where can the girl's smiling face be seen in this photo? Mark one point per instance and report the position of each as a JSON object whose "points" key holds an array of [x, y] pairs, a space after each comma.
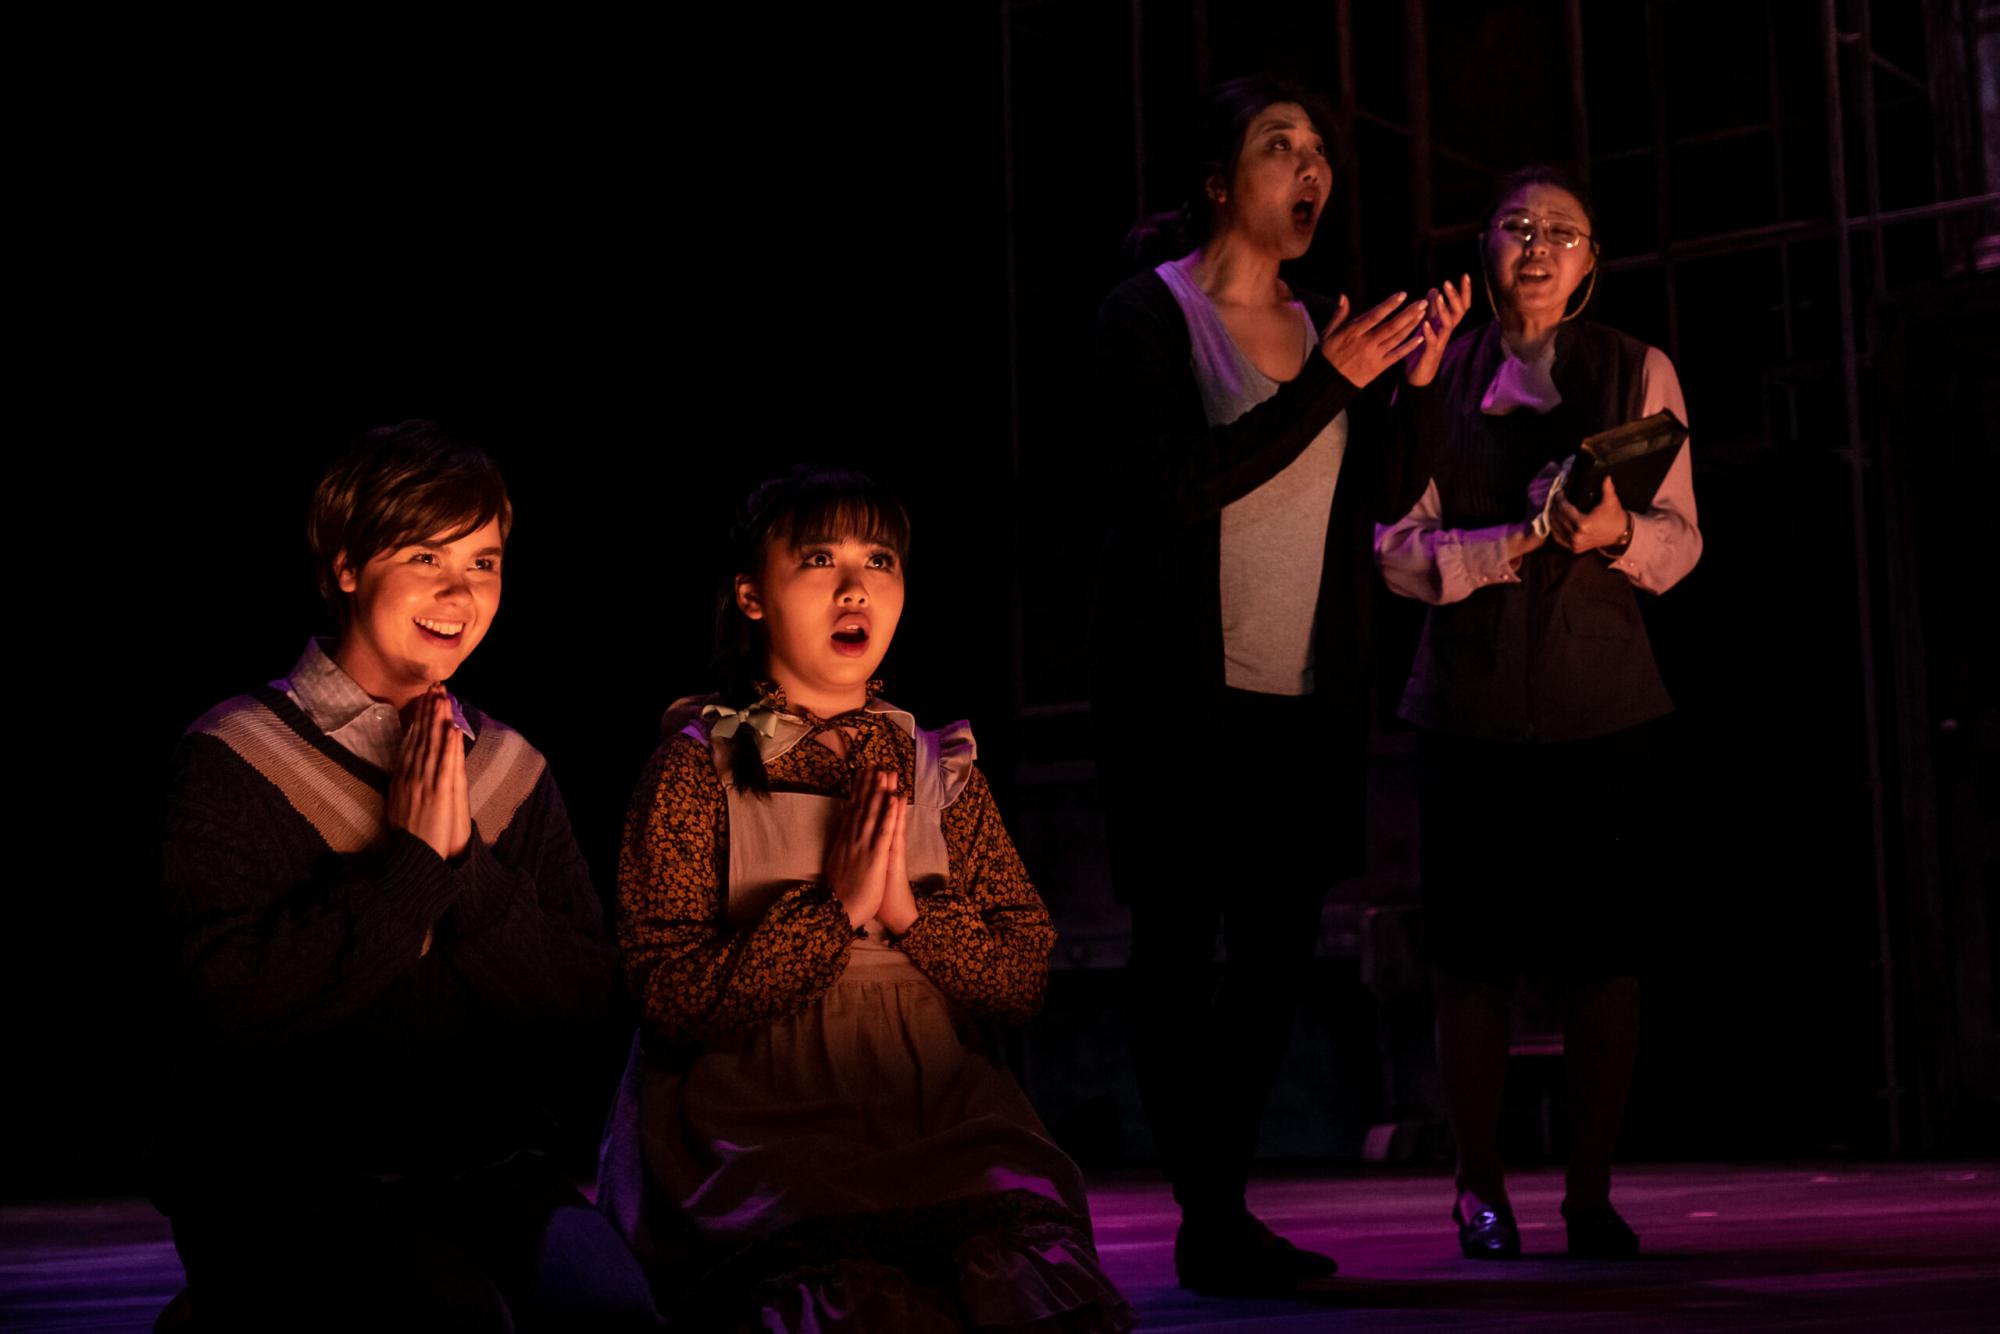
{"points": [[829, 607], [415, 612]]}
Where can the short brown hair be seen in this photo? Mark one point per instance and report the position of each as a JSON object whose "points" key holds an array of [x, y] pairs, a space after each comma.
{"points": [[396, 485]]}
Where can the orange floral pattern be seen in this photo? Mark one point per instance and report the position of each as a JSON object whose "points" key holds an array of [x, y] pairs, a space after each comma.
{"points": [[983, 937]]}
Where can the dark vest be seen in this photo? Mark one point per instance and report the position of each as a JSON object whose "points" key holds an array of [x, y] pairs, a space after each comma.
{"points": [[1562, 655]]}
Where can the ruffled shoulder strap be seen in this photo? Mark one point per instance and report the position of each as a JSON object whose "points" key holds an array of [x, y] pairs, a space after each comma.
{"points": [[944, 757], [944, 761], [956, 753], [684, 716]]}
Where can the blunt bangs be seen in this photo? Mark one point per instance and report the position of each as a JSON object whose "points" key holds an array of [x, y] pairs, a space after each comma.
{"points": [[812, 505], [846, 518]]}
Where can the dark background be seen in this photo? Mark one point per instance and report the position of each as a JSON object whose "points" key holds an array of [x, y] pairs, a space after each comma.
{"points": [[648, 267]]}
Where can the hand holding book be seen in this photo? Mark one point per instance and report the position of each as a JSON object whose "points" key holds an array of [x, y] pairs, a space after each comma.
{"points": [[1608, 527], [1613, 473]]}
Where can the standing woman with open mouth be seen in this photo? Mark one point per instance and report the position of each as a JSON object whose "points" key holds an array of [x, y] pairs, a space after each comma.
{"points": [[1231, 698], [1533, 688]]}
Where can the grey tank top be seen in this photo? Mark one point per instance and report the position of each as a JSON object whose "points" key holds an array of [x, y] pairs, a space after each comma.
{"points": [[1274, 539]]}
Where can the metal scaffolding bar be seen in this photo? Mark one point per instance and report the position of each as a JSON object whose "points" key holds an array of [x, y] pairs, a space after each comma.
{"points": [[1017, 620], [1417, 95], [1579, 102], [1445, 151], [1347, 147], [1693, 141], [1871, 169], [1139, 206], [1785, 233], [1897, 72], [1863, 37], [1850, 385], [1663, 165], [1791, 342]]}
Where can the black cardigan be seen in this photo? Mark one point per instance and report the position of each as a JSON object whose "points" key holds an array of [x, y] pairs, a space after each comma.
{"points": [[1166, 476]]}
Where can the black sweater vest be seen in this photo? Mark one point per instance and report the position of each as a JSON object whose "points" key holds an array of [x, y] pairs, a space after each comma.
{"points": [[1563, 654]]}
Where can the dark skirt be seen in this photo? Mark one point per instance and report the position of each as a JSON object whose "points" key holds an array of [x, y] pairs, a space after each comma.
{"points": [[1541, 857]]}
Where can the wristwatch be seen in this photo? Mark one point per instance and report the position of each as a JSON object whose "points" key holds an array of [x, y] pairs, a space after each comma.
{"points": [[1623, 544]]}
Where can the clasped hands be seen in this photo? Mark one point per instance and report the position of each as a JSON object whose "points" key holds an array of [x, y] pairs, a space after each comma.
{"points": [[867, 861], [427, 792]]}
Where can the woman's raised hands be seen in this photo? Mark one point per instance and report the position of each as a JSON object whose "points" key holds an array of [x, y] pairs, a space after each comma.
{"points": [[1447, 307], [1373, 341]]}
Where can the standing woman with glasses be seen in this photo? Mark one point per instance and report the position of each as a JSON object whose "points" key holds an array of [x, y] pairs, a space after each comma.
{"points": [[1534, 690]]}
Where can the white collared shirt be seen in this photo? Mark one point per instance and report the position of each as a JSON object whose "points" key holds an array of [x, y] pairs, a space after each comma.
{"points": [[1519, 383], [344, 711]]}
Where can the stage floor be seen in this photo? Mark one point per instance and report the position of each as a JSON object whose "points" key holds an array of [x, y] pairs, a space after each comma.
{"points": [[1879, 1246]]}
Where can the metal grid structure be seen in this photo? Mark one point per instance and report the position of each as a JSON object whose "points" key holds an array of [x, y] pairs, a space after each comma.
{"points": [[1964, 210]]}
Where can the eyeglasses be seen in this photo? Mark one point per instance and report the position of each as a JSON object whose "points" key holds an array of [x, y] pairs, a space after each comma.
{"points": [[1522, 228]]}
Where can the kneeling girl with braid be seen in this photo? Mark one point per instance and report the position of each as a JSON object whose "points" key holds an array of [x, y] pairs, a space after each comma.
{"points": [[818, 905]]}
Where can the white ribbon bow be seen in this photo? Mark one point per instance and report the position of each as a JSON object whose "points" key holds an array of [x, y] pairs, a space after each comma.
{"points": [[759, 718]]}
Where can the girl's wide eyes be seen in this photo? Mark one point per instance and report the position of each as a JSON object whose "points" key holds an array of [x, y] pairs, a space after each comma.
{"points": [[877, 560]]}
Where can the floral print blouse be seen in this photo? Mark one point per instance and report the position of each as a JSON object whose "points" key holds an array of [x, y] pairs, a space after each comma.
{"points": [[983, 937]]}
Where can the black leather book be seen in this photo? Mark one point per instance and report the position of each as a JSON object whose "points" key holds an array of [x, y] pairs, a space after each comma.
{"points": [[1636, 456]]}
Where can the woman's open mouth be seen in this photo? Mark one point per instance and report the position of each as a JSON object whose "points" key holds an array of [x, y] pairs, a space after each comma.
{"points": [[851, 640], [1303, 214], [446, 634]]}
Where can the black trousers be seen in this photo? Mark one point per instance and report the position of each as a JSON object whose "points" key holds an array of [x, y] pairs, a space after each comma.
{"points": [[1217, 830], [511, 1246]]}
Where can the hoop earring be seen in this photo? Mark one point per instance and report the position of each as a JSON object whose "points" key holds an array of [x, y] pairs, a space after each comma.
{"points": [[1589, 290]]}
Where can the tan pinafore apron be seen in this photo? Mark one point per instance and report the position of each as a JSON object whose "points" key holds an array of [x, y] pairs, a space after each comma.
{"points": [[881, 1095]]}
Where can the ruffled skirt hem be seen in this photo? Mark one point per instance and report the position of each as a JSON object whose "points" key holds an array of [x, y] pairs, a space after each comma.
{"points": [[1046, 1280]]}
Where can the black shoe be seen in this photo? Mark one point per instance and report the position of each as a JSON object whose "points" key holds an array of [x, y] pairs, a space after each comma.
{"points": [[1596, 1232], [1234, 1255], [1488, 1233]]}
